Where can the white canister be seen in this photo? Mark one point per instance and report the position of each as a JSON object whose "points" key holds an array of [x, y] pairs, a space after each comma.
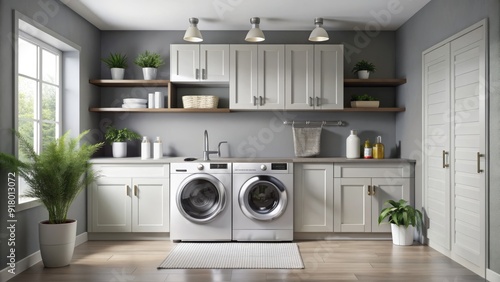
{"points": [[145, 149], [353, 146], [151, 100], [158, 99], [157, 149]]}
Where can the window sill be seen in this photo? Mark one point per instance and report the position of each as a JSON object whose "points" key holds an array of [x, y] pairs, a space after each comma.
{"points": [[27, 203]]}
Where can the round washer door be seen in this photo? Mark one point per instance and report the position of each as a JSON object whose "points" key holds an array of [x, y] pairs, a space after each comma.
{"points": [[263, 198], [201, 197]]}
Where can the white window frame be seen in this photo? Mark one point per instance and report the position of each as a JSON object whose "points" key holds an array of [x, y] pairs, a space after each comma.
{"points": [[37, 119]]}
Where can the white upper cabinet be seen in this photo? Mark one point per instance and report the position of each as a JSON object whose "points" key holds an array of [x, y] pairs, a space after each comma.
{"points": [[257, 77], [199, 63], [314, 77]]}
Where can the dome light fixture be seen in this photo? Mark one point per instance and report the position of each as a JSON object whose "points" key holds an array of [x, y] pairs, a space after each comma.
{"points": [[193, 34], [255, 34], [319, 34]]}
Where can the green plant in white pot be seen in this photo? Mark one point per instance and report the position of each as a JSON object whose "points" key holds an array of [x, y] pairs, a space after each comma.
{"points": [[117, 63], [55, 176], [363, 69], [149, 62], [118, 139], [402, 217]]}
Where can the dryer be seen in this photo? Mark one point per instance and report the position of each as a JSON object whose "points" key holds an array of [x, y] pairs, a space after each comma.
{"points": [[200, 201], [262, 201]]}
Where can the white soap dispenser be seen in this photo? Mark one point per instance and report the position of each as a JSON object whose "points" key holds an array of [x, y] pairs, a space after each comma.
{"points": [[353, 146], [157, 149], [145, 148]]}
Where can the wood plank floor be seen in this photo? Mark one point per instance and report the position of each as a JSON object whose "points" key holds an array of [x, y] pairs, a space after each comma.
{"points": [[123, 261]]}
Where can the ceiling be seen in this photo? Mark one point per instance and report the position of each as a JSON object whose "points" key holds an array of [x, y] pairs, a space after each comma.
{"points": [[236, 14]]}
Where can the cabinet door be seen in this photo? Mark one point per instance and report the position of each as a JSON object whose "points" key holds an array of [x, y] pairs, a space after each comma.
{"points": [[384, 189], [243, 77], [150, 205], [329, 76], [111, 202], [352, 205], [184, 62], [214, 62], [313, 193], [271, 77], [299, 78]]}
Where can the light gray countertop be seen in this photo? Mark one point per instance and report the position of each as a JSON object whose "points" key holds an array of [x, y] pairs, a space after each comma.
{"points": [[167, 160]]}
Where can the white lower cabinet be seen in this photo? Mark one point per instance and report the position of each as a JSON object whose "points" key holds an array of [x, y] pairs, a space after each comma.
{"points": [[313, 194], [360, 191], [136, 203]]}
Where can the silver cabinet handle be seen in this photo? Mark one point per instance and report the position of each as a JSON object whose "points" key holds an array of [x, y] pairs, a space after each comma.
{"points": [[127, 188], [136, 190], [445, 165], [254, 100], [478, 158], [261, 101], [311, 103], [203, 74], [369, 190], [318, 102], [197, 74]]}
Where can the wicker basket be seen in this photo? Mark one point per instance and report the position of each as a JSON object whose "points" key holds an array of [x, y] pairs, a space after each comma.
{"points": [[200, 101]]}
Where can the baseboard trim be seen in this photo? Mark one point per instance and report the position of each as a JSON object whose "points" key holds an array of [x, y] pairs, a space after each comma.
{"points": [[128, 236], [33, 259], [492, 276]]}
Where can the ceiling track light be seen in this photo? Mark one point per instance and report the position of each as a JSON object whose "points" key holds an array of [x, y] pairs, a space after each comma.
{"points": [[193, 34], [255, 34], [319, 34]]}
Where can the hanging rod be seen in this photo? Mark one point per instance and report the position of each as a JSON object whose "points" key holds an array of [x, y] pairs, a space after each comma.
{"points": [[323, 123]]}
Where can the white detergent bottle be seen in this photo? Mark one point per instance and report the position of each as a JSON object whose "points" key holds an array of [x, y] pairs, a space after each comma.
{"points": [[353, 146], [145, 148], [157, 149]]}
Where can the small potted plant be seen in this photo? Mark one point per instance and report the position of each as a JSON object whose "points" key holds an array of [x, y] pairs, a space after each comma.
{"points": [[118, 139], [402, 217], [55, 176], [149, 62], [117, 63], [363, 68], [364, 101]]}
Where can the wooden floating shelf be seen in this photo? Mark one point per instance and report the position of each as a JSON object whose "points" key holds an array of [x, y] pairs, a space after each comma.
{"points": [[374, 110], [374, 82], [129, 82], [162, 110]]}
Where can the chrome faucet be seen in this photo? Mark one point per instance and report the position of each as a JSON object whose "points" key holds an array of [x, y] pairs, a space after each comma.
{"points": [[206, 148]]}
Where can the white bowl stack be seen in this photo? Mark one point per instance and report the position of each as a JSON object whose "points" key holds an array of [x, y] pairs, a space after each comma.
{"points": [[134, 103]]}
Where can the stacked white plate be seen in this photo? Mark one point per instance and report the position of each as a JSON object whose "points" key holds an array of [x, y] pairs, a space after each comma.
{"points": [[134, 103]]}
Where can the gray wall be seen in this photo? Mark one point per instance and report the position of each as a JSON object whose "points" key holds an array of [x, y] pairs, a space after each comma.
{"points": [[56, 17], [182, 134], [445, 18]]}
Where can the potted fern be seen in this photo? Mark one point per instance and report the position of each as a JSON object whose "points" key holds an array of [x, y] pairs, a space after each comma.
{"points": [[118, 139], [117, 63], [363, 69], [55, 176], [149, 62], [402, 217]]}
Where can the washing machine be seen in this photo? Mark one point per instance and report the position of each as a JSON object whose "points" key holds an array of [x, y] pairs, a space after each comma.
{"points": [[200, 201], [263, 201]]}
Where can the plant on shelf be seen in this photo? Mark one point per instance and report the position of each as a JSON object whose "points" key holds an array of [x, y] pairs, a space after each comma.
{"points": [[55, 176], [402, 217], [363, 69], [364, 101], [117, 63], [149, 62], [118, 139]]}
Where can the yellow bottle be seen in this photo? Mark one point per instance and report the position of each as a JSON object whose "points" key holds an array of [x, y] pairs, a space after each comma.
{"points": [[367, 152], [378, 149]]}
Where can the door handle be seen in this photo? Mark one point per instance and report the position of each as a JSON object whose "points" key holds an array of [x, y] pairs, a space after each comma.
{"points": [[197, 75], [254, 100], [369, 190], [261, 101], [136, 190], [127, 190], [318, 102], [203, 74], [445, 165], [311, 102], [478, 158], [373, 190]]}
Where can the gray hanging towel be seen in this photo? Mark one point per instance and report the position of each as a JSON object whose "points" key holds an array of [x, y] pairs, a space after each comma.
{"points": [[306, 141]]}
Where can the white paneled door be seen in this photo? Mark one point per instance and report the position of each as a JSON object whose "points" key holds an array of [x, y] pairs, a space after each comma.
{"points": [[454, 147]]}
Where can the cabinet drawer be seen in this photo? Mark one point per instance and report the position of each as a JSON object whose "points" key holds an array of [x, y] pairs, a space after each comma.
{"points": [[373, 170], [142, 170]]}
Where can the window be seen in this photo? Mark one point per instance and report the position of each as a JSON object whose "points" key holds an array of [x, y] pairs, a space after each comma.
{"points": [[38, 94]]}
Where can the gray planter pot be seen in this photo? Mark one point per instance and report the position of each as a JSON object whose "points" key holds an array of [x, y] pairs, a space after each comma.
{"points": [[57, 242]]}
